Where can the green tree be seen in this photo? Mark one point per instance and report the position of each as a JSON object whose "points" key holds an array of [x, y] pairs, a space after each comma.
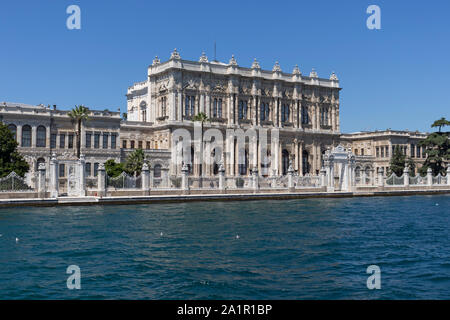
{"points": [[10, 158], [124, 116], [440, 123], [134, 162], [202, 118], [437, 146], [79, 114], [114, 169], [397, 163]]}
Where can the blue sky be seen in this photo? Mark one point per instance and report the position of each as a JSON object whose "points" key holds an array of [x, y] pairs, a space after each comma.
{"points": [[396, 77]]}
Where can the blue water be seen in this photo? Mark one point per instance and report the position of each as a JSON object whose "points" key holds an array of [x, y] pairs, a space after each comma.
{"points": [[297, 249]]}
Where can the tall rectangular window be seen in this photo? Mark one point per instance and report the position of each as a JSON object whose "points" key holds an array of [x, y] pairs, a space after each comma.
{"points": [[105, 141], [96, 140], [378, 152], [140, 145], [70, 144], [53, 140], [382, 152], [147, 145], [413, 151], [113, 141], [62, 170], [418, 152], [88, 169], [124, 144], [132, 144], [95, 169], [88, 139], [62, 140]]}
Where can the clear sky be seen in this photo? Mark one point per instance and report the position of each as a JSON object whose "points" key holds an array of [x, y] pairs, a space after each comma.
{"points": [[396, 77]]}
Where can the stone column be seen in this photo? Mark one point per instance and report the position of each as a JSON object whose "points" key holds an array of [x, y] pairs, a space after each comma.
{"points": [[380, 177], [448, 174], [184, 179], [54, 177], [429, 177], [255, 178], [406, 176], [331, 174], [291, 186], [145, 179], [101, 184], [323, 177], [33, 136], [221, 177], [82, 175], [300, 159], [41, 180]]}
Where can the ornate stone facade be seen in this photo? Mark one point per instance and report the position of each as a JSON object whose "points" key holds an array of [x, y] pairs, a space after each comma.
{"points": [[305, 110]]}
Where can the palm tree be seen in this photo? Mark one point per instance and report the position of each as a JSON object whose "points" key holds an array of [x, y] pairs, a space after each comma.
{"points": [[134, 162], [79, 114], [202, 118], [440, 123]]}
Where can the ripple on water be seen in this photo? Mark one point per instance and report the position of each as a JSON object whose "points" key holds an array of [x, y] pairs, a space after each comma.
{"points": [[296, 249]]}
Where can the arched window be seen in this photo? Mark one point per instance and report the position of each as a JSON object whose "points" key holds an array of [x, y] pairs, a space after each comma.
{"points": [[157, 171], [262, 112], [186, 106], [305, 117], [305, 162], [26, 136], [13, 129], [219, 109], [285, 113], [41, 137], [144, 111], [215, 108], [243, 107]]}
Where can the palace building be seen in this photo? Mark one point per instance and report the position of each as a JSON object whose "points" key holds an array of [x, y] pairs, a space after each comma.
{"points": [[304, 110]]}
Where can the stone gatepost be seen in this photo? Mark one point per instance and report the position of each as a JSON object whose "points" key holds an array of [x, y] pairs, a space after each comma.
{"points": [[291, 186], [221, 177], [429, 177], [448, 174], [101, 180], [145, 179], [380, 177], [82, 175], [406, 176], [255, 178], [41, 181], [185, 179], [330, 174], [323, 177], [54, 182]]}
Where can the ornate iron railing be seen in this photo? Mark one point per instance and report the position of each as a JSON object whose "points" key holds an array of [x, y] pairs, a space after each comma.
{"points": [[124, 181], [13, 182]]}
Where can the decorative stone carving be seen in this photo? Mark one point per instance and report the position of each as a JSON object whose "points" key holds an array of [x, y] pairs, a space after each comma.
{"points": [[156, 61], [276, 67], [334, 77], [255, 65], [296, 70], [203, 58], [233, 61], [313, 74], [175, 55]]}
